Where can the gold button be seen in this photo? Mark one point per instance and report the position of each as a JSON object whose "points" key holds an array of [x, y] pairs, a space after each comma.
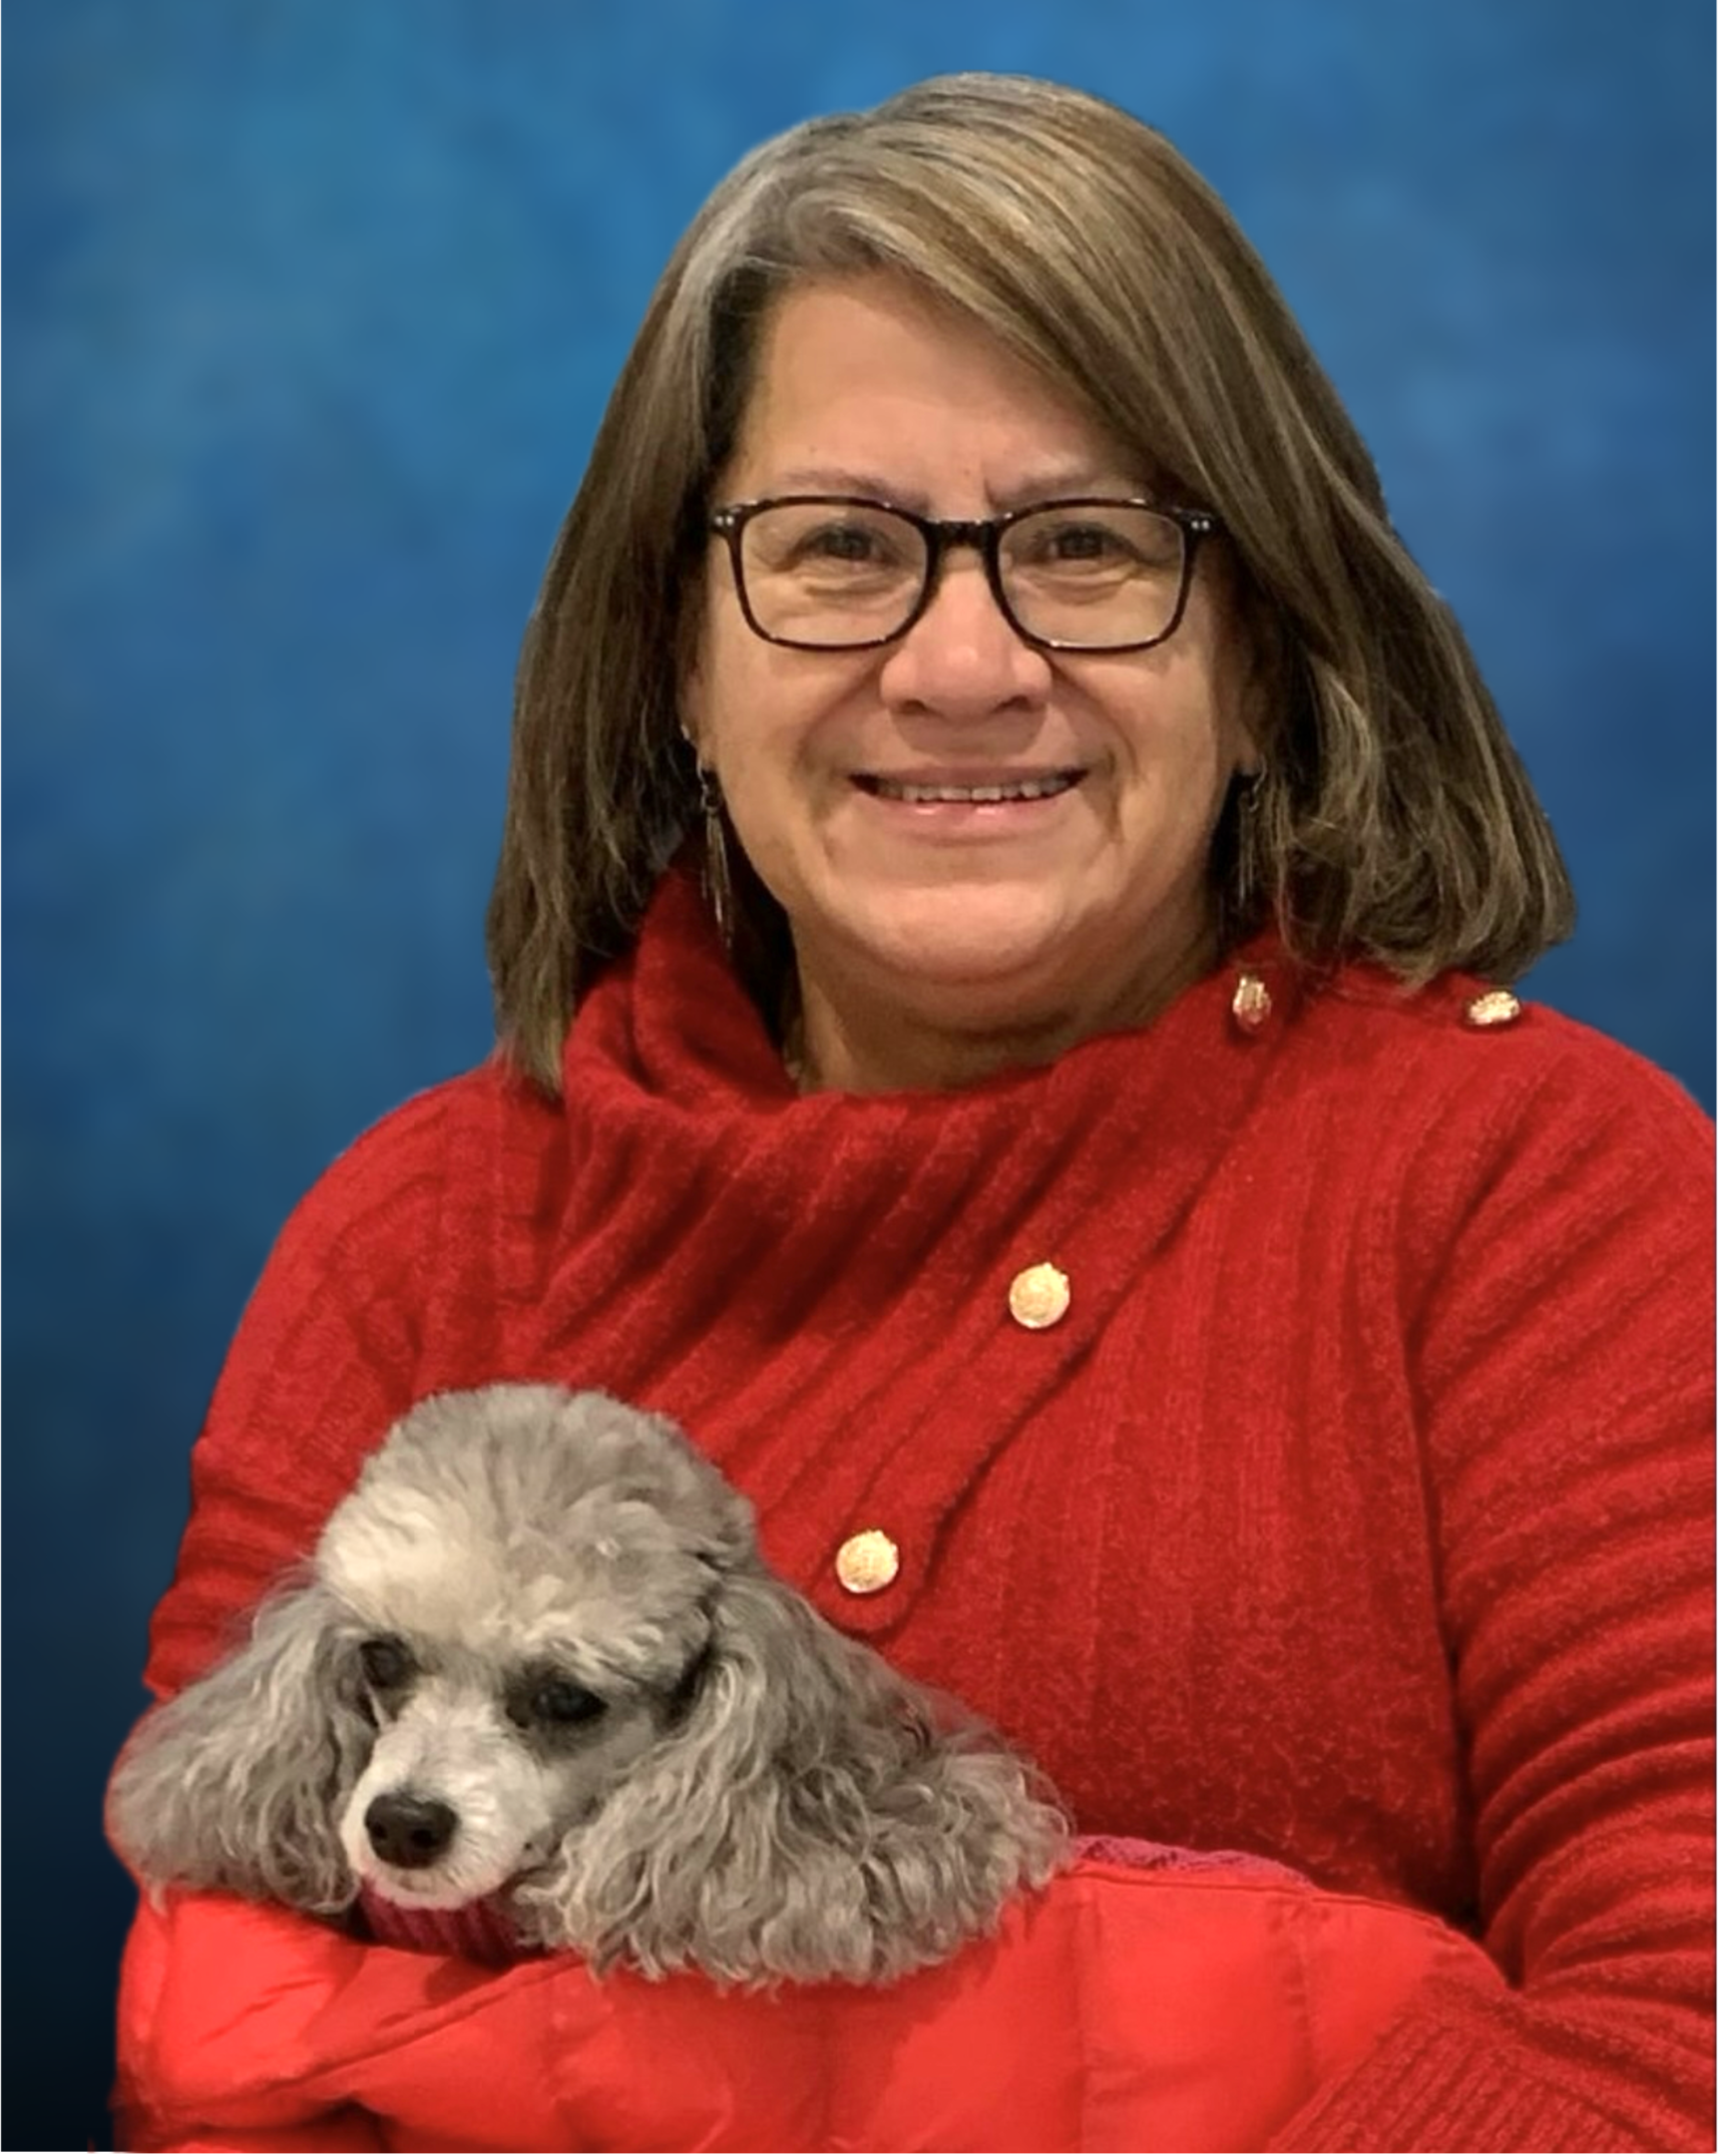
{"points": [[867, 1561], [1251, 1006], [1497, 1006], [1038, 1297]]}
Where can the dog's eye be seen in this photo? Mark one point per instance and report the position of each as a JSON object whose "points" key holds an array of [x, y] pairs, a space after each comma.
{"points": [[386, 1662], [556, 1702]]}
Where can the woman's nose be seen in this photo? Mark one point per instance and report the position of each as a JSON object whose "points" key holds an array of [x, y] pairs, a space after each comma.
{"points": [[963, 654]]}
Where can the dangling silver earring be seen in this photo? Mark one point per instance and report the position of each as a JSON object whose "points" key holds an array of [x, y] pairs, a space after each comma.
{"points": [[718, 889], [1249, 786]]}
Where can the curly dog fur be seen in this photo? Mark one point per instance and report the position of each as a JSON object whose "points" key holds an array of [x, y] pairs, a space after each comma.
{"points": [[538, 1655]]}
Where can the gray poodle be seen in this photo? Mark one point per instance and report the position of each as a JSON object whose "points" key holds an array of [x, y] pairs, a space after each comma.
{"points": [[539, 1657]]}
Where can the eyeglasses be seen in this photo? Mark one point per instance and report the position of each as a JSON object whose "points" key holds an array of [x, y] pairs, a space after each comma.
{"points": [[837, 573]]}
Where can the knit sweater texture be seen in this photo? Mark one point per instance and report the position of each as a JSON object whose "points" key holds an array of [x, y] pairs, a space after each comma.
{"points": [[1357, 1514]]}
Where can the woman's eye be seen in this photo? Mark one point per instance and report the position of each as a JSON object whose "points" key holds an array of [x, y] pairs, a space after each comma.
{"points": [[843, 542], [1083, 543], [561, 1703], [386, 1662]]}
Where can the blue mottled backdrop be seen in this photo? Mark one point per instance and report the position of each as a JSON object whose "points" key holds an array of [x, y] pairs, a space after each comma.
{"points": [[313, 309]]}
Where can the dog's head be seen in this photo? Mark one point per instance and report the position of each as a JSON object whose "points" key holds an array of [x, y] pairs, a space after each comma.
{"points": [[528, 1581], [512, 1604]]}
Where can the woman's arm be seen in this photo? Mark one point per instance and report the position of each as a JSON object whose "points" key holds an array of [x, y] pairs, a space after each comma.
{"points": [[324, 1360], [1563, 1347]]}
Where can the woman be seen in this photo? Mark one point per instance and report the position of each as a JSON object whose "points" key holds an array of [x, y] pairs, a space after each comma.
{"points": [[1048, 1132]]}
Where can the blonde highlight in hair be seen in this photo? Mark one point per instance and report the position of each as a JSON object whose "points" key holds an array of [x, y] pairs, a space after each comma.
{"points": [[1394, 818]]}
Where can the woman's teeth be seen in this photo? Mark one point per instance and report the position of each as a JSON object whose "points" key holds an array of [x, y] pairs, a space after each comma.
{"points": [[1027, 789]]}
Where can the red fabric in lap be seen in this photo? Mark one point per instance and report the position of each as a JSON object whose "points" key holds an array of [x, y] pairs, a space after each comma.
{"points": [[1154, 2007]]}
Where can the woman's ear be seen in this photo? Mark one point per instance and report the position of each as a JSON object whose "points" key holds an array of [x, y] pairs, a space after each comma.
{"points": [[1260, 647], [691, 703], [691, 670], [1256, 704], [1261, 703]]}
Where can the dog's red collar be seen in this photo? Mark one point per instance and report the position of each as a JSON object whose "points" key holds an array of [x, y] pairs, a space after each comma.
{"points": [[479, 1932]]}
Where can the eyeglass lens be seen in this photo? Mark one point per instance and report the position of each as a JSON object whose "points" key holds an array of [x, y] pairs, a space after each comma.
{"points": [[1097, 575]]}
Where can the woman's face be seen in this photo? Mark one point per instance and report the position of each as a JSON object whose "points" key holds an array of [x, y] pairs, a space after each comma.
{"points": [[1037, 920]]}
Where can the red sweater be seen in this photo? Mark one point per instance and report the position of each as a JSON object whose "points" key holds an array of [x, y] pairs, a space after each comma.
{"points": [[1356, 1513]]}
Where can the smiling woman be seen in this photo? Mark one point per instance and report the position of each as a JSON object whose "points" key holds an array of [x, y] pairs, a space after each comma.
{"points": [[1044, 302], [1000, 949]]}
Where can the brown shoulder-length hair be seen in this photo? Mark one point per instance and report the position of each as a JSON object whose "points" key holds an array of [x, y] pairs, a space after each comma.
{"points": [[1394, 818]]}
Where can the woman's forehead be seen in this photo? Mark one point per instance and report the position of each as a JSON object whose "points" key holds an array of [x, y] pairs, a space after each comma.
{"points": [[868, 385]]}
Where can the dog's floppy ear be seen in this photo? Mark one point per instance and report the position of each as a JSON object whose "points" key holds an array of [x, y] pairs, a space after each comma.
{"points": [[804, 1819], [238, 1782]]}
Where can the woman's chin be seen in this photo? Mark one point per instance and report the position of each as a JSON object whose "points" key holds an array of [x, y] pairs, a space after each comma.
{"points": [[962, 941]]}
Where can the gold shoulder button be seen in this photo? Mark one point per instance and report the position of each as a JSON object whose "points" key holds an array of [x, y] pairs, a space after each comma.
{"points": [[1497, 1006], [1251, 1006]]}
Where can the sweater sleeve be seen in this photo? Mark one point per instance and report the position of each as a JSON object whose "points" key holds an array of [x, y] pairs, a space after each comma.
{"points": [[322, 1363], [1560, 1324]]}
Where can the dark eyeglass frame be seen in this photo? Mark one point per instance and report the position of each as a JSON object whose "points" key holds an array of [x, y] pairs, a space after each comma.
{"points": [[983, 533]]}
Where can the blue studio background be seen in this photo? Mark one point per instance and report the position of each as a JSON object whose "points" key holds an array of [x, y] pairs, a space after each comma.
{"points": [[314, 310]]}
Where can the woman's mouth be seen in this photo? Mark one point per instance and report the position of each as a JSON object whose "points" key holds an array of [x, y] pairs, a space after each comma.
{"points": [[979, 793]]}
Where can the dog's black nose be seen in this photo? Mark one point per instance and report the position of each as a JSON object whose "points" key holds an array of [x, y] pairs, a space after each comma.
{"points": [[409, 1831]]}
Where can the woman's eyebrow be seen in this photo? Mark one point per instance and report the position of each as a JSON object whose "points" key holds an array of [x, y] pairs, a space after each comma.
{"points": [[1108, 482], [835, 479], [1055, 483]]}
